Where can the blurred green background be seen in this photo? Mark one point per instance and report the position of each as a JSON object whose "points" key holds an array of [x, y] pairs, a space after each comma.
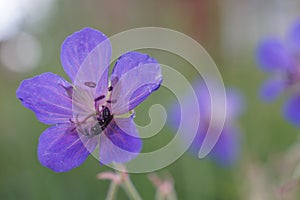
{"points": [[31, 33]]}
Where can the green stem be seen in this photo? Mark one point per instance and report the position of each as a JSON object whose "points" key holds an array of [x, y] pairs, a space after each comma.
{"points": [[112, 192], [130, 190], [159, 195], [172, 196]]}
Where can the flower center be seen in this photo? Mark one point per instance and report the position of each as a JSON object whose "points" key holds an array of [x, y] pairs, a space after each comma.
{"points": [[95, 123], [103, 118]]}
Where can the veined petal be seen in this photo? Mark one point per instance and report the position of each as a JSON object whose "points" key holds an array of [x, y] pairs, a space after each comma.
{"points": [[120, 142], [77, 47], [291, 110], [272, 55], [128, 61], [134, 77], [48, 95], [85, 57], [92, 74], [61, 149], [271, 89]]}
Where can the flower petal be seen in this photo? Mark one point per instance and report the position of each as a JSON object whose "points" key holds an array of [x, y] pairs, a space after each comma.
{"points": [[134, 77], [271, 89], [227, 149], [291, 110], [294, 38], [120, 142], [78, 46], [85, 57], [235, 104], [48, 95], [272, 55], [61, 149]]}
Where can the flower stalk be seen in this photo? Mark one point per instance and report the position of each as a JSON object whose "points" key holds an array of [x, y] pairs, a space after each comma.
{"points": [[131, 190], [119, 178], [112, 192], [164, 187]]}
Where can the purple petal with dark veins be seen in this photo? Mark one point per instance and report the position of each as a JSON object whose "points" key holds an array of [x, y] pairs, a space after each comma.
{"points": [[61, 149], [78, 46], [134, 77], [120, 142], [128, 61], [272, 55], [271, 89], [48, 96], [291, 110]]}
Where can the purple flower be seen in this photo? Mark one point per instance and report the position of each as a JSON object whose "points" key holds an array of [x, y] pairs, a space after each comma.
{"points": [[226, 151], [92, 111], [281, 58]]}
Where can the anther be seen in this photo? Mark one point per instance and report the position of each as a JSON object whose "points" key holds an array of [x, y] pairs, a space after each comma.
{"points": [[69, 89], [73, 129], [110, 88], [99, 98], [90, 84], [111, 101]]}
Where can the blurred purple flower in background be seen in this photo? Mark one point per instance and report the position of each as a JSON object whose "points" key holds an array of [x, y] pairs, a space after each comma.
{"points": [[282, 59], [90, 112], [227, 149]]}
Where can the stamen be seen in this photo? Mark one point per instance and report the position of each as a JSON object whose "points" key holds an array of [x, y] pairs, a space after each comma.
{"points": [[90, 84], [111, 101], [73, 129], [69, 90], [99, 98], [110, 88], [87, 117]]}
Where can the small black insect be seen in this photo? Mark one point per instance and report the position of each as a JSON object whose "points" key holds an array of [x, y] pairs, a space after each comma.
{"points": [[104, 118], [95, 130]]}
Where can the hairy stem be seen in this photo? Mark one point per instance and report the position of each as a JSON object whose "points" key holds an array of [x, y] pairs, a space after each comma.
{"points": [[112, 192], [130, 190], [172, 196]]}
